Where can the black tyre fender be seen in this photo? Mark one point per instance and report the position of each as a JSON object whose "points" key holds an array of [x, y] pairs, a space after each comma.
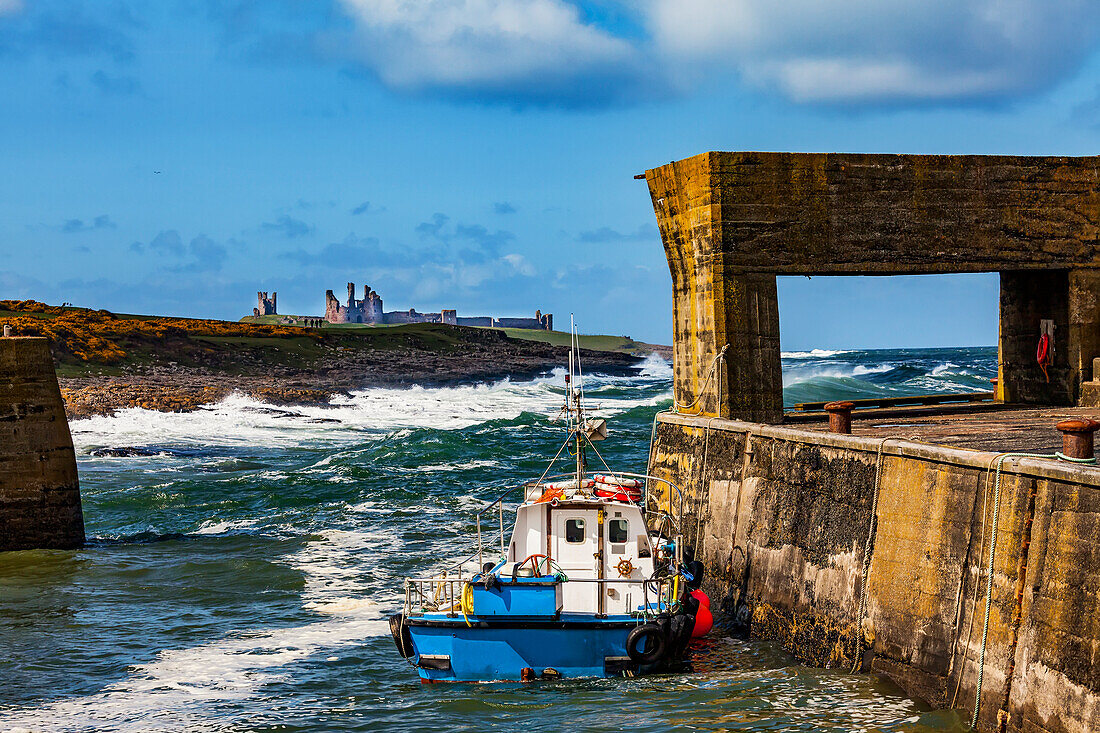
{"points": [[401, 636], [697, 571], [680, 633], [664, 623], [636, 643], [690, 605]]}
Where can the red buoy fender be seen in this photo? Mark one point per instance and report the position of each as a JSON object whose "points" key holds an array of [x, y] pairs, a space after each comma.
{"points": [[703, 598], [703, 622]]}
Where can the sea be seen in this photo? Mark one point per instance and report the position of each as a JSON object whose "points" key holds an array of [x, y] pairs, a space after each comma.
{"points": [[242, 560]]}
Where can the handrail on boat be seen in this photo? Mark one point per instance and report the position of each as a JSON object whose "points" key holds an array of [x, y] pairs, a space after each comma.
{"points": [[498, 505], [447, 593]]}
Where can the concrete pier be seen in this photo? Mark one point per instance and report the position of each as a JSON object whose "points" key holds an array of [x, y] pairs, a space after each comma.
{"points": [[39, 492], [799, 529], [732, 221], [876, 550]]}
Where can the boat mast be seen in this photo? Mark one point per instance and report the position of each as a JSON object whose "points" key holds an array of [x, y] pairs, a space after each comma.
{"points": [[577, 396]]}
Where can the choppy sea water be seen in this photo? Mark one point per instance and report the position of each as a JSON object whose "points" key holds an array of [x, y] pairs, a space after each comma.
{"points": [[242, 563]]}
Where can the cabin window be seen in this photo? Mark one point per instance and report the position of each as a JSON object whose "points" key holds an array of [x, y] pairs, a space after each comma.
{"points": [[574, 530], [617, 531]]}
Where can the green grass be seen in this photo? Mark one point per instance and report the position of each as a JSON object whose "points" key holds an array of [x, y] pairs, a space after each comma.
{"points": [[587, 341], [595, 342]]}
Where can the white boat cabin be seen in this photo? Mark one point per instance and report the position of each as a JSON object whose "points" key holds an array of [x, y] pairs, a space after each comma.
{"points": [[586, 539]]}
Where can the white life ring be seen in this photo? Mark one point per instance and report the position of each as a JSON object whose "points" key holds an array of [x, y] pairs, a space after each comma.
{"points": [[622, 481], [569, 485]]}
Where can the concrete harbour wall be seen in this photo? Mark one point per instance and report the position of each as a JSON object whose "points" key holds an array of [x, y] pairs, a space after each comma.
{"points": [[782, 519], [39, 492]]}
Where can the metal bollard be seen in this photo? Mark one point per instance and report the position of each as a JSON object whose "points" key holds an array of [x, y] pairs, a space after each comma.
{"points": [[1077, 437], [840, 417]]}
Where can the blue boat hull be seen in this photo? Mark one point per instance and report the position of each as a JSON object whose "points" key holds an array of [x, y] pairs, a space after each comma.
{"points": [[446, 649]]}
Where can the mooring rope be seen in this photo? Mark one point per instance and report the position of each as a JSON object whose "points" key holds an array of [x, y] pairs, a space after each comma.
{"points": [[1000, 460], [872, 526], [698, 498], [702, 390]]}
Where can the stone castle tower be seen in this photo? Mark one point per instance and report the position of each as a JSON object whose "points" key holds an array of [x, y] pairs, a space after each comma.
{"points": [[266, 305], [367, 310]]}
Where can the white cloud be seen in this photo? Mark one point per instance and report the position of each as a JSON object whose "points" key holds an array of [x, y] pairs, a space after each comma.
{"points": [[520, 264], [880, 50], [511, 48], [831, 51]]}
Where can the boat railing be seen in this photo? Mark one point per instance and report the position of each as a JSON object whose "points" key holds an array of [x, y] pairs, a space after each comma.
{"points": [[534, 489], [448, 594], [650, 503], [489, 520]]}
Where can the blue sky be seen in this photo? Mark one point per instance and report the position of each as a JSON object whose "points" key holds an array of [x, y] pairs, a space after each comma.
{"points": [[175, 157]]}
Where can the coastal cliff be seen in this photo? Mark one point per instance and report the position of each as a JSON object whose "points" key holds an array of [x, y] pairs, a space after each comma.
{"points": [[108, 361]]}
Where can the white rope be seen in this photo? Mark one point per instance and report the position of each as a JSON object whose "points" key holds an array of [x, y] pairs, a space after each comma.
{"points": [[706, 383], [872, 526]]}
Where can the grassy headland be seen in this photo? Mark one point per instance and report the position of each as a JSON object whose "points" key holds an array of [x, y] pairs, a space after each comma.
{"points": [[107, 361], [595, 342]]}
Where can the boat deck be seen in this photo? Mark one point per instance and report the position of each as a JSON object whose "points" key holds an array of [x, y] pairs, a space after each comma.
{"points": [[988, 427]]}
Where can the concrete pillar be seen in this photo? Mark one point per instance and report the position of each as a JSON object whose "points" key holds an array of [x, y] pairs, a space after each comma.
{"points": [[714, 305], [39, 492], [1027, 298], [752, 387], [1083, 341]]}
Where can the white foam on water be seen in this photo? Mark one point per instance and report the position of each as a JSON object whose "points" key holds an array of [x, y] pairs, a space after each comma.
{"points": [[655, 366], [176, 690], [860, 370], [799, 374], [448, 467], [173, 692], [213, 526], [366, 414], [813, 354]]}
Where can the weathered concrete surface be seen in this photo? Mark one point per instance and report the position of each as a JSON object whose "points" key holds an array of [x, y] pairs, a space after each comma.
{"points": [[731, 222], [782, 518], [39, 492]]}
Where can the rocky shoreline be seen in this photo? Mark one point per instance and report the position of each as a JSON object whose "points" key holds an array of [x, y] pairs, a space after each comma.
{"points": [[174, 388]]}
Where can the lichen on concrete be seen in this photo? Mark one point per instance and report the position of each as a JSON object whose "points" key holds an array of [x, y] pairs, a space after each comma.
{"points": [[781, 518]]}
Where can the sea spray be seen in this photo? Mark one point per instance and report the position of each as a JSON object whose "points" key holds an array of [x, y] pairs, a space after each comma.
{"points": [[240, 569]]}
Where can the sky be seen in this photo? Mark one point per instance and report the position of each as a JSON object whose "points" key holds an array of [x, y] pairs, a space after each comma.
{"points": [[174, 157]]}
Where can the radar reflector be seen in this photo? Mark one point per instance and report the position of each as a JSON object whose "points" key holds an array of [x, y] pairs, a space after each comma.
{"points": [[595, 429]]}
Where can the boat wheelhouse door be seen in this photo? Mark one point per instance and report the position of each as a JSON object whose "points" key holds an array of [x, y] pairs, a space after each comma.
{"points": [[623, 555], [576, 551]]}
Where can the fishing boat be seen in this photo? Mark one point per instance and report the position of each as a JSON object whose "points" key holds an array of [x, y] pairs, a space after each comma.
{"points": [[593, 580]]}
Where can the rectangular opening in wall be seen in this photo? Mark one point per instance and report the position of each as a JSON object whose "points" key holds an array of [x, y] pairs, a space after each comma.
{"points": [[880, 338]]}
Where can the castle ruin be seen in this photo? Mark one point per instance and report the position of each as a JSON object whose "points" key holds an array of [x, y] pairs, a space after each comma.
{"points": [[369, 311], [266, 305]]}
